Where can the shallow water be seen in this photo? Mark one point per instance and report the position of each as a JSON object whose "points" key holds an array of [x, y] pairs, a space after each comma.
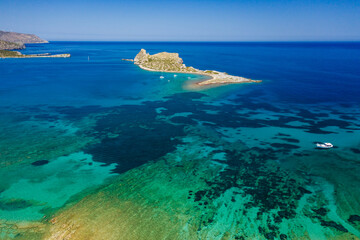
{"points": [[94, 147]]}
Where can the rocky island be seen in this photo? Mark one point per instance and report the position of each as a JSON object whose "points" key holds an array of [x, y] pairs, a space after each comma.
{"points": [[171, 62], [13, 41]]}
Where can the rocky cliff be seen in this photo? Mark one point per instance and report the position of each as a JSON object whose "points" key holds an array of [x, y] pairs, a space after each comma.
{"points": [[4, 45], [161, 61], [20, 38]]}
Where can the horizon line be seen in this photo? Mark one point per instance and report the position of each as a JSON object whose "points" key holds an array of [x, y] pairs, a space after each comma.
{"points": [[210, 41]]}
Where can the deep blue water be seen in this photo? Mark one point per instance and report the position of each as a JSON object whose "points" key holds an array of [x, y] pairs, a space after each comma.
{"points": [[292, 72]]}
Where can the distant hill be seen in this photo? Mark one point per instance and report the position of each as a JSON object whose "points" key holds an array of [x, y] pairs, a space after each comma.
{"points": [[20, 38], [4, 45]]}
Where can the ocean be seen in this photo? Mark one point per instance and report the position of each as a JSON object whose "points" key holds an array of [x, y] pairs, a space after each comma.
{"points": [[93, 147]]}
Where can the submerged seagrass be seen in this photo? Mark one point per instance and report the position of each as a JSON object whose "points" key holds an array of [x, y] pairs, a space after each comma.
{"points": [[171, 62]]}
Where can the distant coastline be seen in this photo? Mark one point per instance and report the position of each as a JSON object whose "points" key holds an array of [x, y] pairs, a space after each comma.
{"points": [[16, 54], [14, 41]]}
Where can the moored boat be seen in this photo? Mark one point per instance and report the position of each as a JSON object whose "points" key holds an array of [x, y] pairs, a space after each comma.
{"points": [[324, 145]]}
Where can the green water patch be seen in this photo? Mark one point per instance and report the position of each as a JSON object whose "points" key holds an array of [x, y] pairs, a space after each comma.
{"points": [[30, 192], [252, 140], [210, 187], [255, 187], [249, 185], [269, 189], [27, 139]]}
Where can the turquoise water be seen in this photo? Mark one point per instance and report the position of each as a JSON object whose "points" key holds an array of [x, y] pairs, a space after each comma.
{"points": [[73, 128]]}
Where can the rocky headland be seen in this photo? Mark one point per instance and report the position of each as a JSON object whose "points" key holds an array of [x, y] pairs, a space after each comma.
{"points": [[171, 62], [20, 38]]}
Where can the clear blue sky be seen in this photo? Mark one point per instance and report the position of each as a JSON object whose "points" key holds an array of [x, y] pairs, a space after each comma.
{"points": [[184, 20]]}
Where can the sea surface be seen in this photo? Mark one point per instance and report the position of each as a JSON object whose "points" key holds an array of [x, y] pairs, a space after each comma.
{"points": [[93, 147]]}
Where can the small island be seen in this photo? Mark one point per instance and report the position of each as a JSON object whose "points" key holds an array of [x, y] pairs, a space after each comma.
{"points": [[171, 62]]}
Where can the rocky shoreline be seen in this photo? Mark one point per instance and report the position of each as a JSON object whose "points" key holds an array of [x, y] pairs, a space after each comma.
{"points": [[172, 63]]}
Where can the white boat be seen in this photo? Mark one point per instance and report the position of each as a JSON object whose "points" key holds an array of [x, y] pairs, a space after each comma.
{"points": [[324, 145], [175, 75], [161, 77]]}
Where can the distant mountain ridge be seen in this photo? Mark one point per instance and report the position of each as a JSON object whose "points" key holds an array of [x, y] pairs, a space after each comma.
{"points": [[20, 38]]}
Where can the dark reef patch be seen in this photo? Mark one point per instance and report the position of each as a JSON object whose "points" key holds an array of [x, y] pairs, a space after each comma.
{"points": [[321, 211], [132, 98], [333, 224], [14, 204], [303, 113], [301, 154], [183, 120], [346, 117], [141, 137], [291, 140], [284, 146], [354, 218], [269, 189], [283, 236], [318, 131], [283, 135], [77, 113], [40, 162], [355, 150], [47, 117]]}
